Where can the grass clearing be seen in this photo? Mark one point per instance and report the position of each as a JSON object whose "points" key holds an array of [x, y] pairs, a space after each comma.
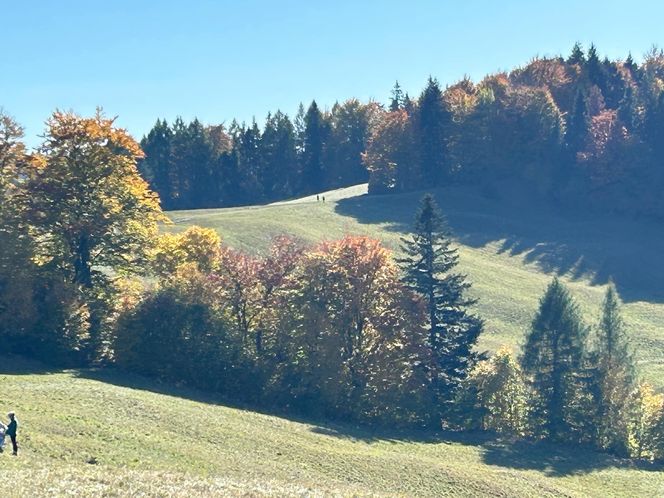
{"points": [[88, 433]]}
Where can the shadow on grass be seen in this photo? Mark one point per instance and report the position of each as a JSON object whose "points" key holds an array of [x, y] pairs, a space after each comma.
{"points": [[578, 244], [553, 460], [550, 459], [19, 365], [557, 460]]}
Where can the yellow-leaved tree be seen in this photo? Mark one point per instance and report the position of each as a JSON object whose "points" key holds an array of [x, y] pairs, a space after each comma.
{"points": [[93, 216]]}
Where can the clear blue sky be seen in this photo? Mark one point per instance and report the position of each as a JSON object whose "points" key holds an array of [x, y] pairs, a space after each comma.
{"points": [[217, 60]]}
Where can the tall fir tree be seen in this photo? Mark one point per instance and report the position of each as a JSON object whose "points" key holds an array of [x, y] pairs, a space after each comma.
{"points": [[428, 269], [577, 56], [616, 375], [157, 165], [397, 100], [432, 120], [313, 173], [553, 361], [595, 70], [278, 156]]}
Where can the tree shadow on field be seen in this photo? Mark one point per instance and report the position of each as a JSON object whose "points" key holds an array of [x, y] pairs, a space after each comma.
{"points": [[557, 460], [578, 244], [550, 459], [553, 460], [19, 365]]}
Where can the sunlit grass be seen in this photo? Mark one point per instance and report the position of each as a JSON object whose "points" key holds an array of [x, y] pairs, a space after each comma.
{"points": [[86, 433]]}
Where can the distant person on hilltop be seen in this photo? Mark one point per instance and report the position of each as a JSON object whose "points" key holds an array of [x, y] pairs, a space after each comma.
{"points": [[11, 432]]}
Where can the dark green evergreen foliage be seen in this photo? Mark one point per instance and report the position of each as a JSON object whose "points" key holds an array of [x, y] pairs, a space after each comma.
{"points": [[654, 126], [631, 66], [157, 167], [278, 153], [595, 69], [615, 372], [397, 100], [577, 127], [432, 120], [408, 105], [428, 268], [577, 56], [554, 360], [628, 110], [315, 137]]}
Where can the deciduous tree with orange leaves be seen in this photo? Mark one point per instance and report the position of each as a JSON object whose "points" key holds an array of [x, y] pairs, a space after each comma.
{"points": [[92, 214]]}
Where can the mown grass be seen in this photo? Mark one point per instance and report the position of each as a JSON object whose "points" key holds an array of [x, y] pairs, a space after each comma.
{"points": [[89, 433], [510, 247]]}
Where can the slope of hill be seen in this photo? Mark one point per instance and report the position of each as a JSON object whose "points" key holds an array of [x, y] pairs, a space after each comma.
{"points": [[510, 247], [87, 433]]}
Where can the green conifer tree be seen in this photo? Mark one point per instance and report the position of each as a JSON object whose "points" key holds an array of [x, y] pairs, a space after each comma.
{"points": [[428, 268], [553, 361], [616, 375]]}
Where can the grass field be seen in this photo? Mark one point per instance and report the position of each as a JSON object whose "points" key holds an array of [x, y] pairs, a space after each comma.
{"points": [[508, 251], [93, 433], [87, 433]]}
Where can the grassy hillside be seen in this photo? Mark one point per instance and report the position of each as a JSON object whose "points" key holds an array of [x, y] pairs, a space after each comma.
{"points": [[510, 247], [86, 433]]}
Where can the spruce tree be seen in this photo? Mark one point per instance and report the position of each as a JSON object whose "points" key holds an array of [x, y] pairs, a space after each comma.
{"points": [[616, 375], [428, 269], [312, 155], [157, 165], [553, 361], [577, 56], [595, 70], [432, 120], [397, 98]]}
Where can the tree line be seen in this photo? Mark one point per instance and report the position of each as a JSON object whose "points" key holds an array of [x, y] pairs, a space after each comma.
{"points": [[581, 131], [194, 166], [341, 329]]}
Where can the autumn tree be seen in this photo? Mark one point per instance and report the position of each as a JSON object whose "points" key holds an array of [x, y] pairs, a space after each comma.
{"points": [[355, 333], [200, 247], [18, 313], [428, 265], [390, 156], [495, 396], [91, 211]]}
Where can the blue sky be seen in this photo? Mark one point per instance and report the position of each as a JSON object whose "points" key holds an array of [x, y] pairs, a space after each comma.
{"points": [[218, 60]]}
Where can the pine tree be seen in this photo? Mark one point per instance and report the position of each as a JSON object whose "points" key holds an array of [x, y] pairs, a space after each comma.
{"points": [[313, 174], [553, 361], [397, 100], [156, 167], [432, 119], [428, 264], [595, 70], [279, 157], [631, 66], [577, 56], [615, 375]]}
